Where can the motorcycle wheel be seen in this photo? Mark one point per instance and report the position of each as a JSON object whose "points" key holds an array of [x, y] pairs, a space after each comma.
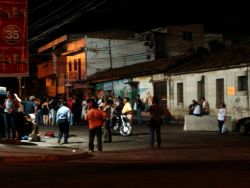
{"points": [[126, 130]]}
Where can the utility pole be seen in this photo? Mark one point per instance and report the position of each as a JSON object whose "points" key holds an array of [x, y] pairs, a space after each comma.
{"points": [[110, 55], [111, 65]]}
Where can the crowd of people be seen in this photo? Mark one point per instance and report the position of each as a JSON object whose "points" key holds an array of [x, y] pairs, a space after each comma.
{"points": [[96, 113], [91, 111]]}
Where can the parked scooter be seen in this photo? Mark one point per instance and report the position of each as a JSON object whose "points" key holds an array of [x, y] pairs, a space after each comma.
{"points": [[24, 125], [121, 123]]}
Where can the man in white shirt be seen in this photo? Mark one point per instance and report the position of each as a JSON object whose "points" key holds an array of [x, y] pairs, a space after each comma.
{"points": [[62, 120]]}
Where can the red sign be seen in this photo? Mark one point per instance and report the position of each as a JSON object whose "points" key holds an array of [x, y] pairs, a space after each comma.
{"points": [[13, 38]]}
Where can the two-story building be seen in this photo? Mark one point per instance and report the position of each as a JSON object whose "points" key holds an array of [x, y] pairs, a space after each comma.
{"points": [[80, 55]]}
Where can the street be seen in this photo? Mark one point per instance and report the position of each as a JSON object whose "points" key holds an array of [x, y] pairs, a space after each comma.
{"points": [[81, 174], [186, 159]]}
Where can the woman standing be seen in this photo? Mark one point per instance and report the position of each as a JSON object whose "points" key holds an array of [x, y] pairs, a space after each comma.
{"points": [[156, 111], [11, 106], [222, 117]]}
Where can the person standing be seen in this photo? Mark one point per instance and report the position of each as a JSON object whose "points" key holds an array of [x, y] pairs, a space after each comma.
{"points": [[222, 117], [138, 108], [70, 102], [62, 120], [156, 112], [95, 118], [107, 123], [11, 106], [53, 106]]}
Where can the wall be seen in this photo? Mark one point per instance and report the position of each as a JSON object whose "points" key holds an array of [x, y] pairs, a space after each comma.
{"points": [[104, 53], [237, 103], [145, 88], [175, 43]]}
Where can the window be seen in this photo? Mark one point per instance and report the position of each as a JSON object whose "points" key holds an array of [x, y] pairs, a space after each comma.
{"points": [[70, 66], [219, 92], [75, 64], [187, 36], [160, 90], [242, 83], [200, 89], [180, 93]]}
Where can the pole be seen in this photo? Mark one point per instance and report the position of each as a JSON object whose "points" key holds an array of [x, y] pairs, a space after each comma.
{"points": [[248, 86], [111, 65], [19, 86], [110, 56]]}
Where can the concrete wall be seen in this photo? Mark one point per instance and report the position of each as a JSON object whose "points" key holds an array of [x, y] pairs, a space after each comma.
{"points": [[175, 43], [237, 102], [104, 53]]}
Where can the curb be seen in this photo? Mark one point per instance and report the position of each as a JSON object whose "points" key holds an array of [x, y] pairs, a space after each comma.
{"points": [[44, 158]]}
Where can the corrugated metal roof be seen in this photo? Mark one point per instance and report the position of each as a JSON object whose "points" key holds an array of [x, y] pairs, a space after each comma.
{"points": [[140, 69]]}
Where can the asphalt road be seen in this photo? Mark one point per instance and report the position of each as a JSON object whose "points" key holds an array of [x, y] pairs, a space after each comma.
{"points": [[187, 159], [182, 174]]}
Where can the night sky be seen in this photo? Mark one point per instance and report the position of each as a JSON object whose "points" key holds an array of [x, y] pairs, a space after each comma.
{"points": [[51, 18]]}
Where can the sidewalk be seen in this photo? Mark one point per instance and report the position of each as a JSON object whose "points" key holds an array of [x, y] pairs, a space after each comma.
{"points": [[46, 150], [49, 150], [177, 146]]}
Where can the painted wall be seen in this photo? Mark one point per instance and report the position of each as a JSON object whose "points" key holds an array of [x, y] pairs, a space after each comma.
{"points": [[145, 89]]}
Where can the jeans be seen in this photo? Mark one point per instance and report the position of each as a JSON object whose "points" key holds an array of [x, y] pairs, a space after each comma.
{"points": [[138, 116], [97, 131], [9, 121], [152, 131], [220, 124], [107, 131]]}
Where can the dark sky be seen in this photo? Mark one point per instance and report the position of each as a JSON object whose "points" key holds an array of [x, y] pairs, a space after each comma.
{"points": [[56, 17]]}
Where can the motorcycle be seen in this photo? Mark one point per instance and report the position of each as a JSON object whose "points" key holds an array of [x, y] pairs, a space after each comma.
{"points": [[121, 123], [24, 125]]}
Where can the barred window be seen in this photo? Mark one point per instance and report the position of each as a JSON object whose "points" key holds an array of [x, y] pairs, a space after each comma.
{"points": [[180, 93], [200, 89], [242, 83], [219, 92]]}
